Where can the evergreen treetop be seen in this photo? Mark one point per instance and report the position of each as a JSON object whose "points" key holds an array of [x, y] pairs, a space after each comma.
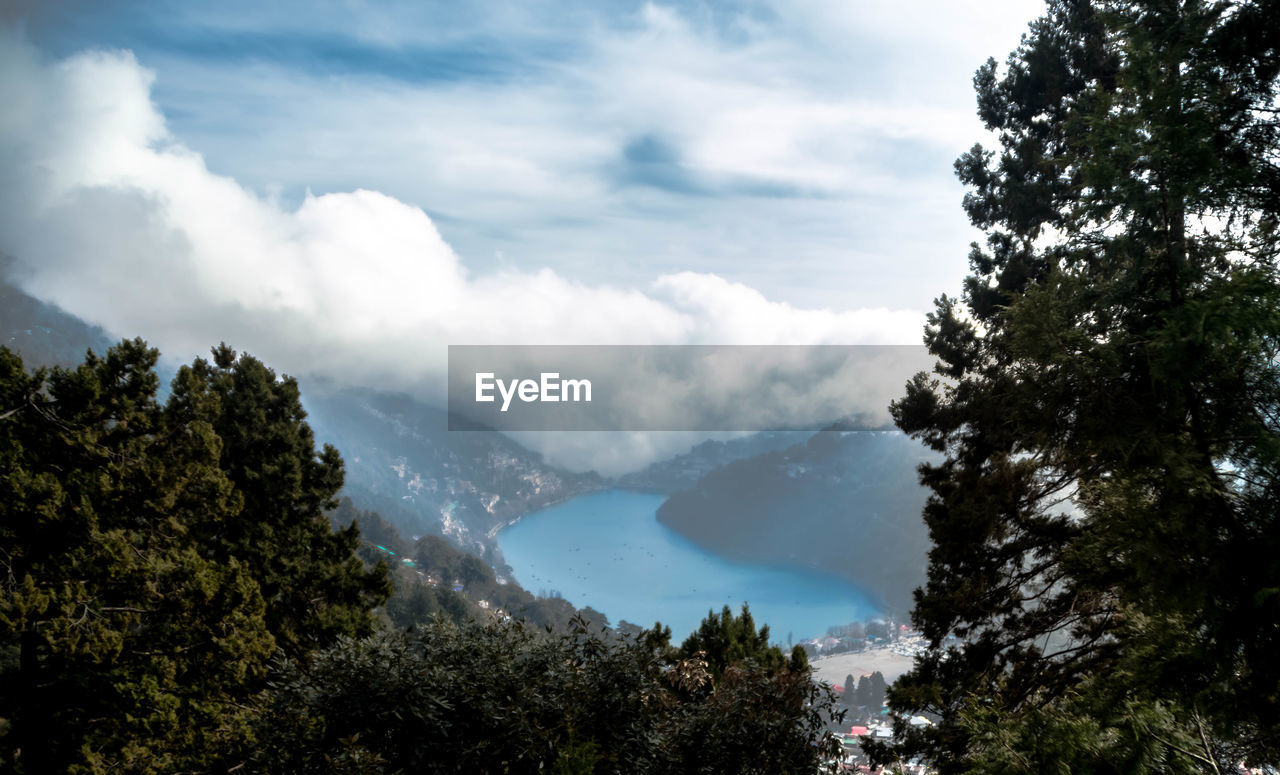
{"points": [[154, 561], [1104, 523]]}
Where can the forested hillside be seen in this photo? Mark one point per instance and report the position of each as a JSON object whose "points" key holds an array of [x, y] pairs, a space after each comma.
{"points": [[682, 472], [431, 577], [404, 463], [41, 333], [847, 503]]}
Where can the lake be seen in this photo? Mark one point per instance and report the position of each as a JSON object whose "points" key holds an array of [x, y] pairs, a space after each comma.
{"points": [[607, 550]]}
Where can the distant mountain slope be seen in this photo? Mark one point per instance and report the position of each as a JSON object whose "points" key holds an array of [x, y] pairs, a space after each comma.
{"points": [[845, 503], [683, 471], [403, 462], [431, 577], [43, 334]]}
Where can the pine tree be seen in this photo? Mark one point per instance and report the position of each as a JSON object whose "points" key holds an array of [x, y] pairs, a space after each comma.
{"points": [[876, 690], [1106, 543], [724, 639], [315, 588], [152, 566], [863, 696], [125, 647]]}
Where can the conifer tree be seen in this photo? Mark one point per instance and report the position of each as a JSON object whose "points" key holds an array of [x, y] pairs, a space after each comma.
{"points": [[864, 692], [126, 648], [724, 639], [1106, 541], [875, 690], [153, 565], [314, 586]]}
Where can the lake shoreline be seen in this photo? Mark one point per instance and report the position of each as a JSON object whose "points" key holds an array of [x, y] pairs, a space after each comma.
{"points": [[607, 550]]}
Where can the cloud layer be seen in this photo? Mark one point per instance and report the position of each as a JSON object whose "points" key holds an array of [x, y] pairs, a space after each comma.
{"points": [[122, 224], [800, 148], [617, 172]]}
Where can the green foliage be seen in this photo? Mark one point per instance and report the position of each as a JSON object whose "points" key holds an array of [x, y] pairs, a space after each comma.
{"points": [[868, 693], [156, 557], [725, 639], [876, 688], [373, 528], [414, 602], [137, 619], [1104, 524], [426, 588], [862, 695], [501, 697], [315, 587]]}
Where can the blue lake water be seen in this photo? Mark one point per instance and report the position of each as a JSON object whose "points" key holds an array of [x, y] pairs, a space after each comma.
{"points": [[608, 550]]}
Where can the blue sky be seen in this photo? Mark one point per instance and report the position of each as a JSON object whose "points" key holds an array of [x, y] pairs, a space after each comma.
{"points": [[801, 148], [345, 188]]}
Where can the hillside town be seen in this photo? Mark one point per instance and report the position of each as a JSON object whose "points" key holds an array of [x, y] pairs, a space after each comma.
{"points": [[859, 661]]}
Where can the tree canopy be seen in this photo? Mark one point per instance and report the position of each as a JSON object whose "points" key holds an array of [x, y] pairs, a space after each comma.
{"points": [[177, 599], [157, 556], [726, 639], [1106, 544], [505, 697]]}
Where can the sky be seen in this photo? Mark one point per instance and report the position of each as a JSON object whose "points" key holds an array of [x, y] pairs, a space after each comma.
{"points": [[345, 188]]}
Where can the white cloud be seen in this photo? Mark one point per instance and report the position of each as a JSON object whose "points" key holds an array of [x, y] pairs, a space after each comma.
{"points": [[816, 138], [127, 227]]}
